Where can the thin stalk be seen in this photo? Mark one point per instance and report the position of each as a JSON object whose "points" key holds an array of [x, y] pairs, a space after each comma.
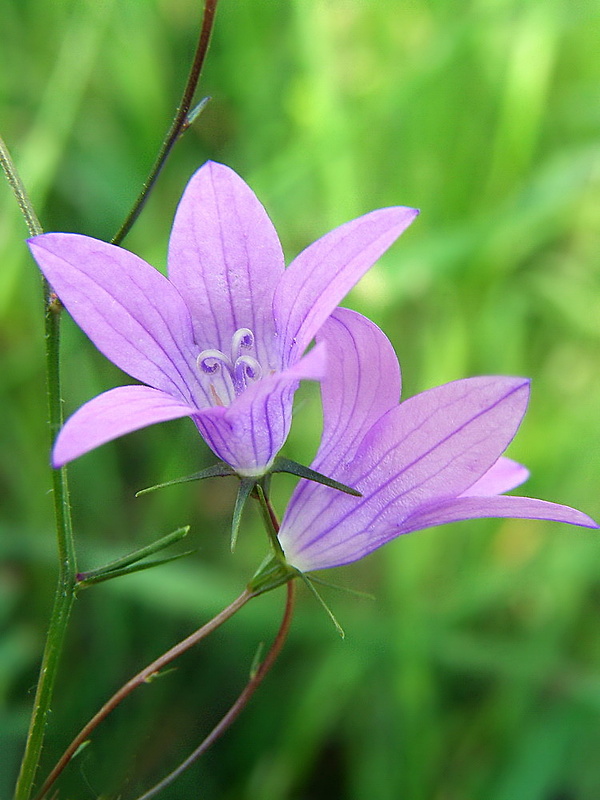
{"points": [[270, 521], [180, 123], [242, 701], [16, 184], [144, 676], [67, 572]]}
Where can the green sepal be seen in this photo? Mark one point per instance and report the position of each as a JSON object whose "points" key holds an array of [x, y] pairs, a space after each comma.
{"points": [[219, 470], [338, 587], [308, 582], [246, 488], [294, 468], [129, 563], [272, 573]]}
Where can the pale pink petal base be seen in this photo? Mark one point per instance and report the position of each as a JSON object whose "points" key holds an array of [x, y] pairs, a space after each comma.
{"points": [[113, 414]]}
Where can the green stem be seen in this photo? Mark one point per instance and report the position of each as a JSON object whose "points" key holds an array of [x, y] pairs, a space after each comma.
{"points": [[65, 590], [180, 123], [270, 521]]}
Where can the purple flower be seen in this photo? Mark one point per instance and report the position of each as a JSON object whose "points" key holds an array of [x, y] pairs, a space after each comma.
{"points": [[432, 459], [222, 339]]}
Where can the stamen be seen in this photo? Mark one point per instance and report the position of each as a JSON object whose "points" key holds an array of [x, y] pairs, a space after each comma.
{"points": [[210, 361], [236, 371], [246, 369], [243, 338]]}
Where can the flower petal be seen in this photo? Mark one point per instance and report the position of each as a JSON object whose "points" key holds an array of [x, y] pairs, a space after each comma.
{"points": [[113, 414], [439, 443], [128, 309], [249, 433], [503, 476], [226, 260], [504, 506], [320, 277], [362, 383], [334, 552], [430, 448]]}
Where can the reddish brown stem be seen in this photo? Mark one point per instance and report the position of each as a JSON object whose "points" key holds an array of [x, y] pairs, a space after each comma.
{"points": [[179, 124], [142, 677], [222, 726]]}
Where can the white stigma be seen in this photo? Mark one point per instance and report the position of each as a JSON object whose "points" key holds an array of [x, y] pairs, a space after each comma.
{"points": [[239, 368]]}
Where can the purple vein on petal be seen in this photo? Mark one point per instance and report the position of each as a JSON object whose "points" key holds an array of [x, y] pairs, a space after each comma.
{"points": [[316, 288], [90, 300], [372, 469]]}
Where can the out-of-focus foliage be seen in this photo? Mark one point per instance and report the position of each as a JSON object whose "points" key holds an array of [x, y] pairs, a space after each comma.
{"points": [[475, 673]]}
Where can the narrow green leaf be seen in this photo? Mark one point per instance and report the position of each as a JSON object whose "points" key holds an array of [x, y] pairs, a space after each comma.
{"points": [[255, 666], [136, 555], [286, 465], [116, 573], [195, 112], [160, 674], [82, 747]]}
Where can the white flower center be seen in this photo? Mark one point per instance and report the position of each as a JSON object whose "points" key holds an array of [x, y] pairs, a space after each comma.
{"points": [[237, 369]]}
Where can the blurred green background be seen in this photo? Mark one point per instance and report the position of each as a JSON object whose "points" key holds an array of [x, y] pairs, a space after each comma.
{"points": [[475, 673]]}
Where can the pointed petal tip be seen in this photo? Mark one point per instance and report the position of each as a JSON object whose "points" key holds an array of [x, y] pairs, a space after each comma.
{"points": [[42, 240], [589, 522], [215, 167]]}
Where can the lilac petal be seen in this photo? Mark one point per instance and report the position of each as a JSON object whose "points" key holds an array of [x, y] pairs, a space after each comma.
{"points": [[334, 552], [113, 414], [505, 506], [249, 433], [362, 383], [128, 309], [319, 278], [503, 476], [439, 443], [226, 259], [429, 449]]}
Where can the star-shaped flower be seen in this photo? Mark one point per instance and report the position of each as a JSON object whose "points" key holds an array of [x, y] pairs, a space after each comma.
{"points": [[222, 339], [432, 459]]}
